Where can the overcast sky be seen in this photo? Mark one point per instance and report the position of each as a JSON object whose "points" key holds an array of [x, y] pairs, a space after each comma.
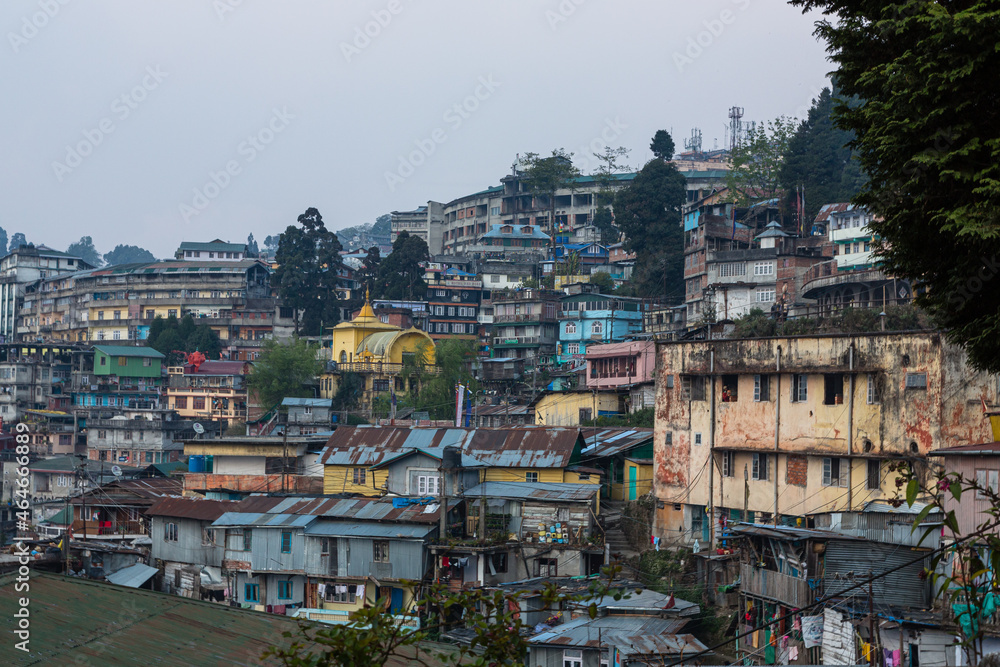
{"points": [[149, 123]]}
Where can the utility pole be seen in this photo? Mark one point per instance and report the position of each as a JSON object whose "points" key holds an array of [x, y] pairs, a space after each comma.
{"points": [[871, 621], [284, 456]]}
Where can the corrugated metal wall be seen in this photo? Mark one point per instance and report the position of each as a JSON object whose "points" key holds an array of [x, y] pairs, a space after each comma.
{"points": [[356, 558], [188, 548], [903, 588]]}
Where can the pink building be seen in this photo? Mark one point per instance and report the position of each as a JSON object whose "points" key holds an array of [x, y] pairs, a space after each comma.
{"points": [[626, 366]]}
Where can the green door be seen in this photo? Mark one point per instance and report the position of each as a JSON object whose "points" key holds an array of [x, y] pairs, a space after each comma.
{"points": [[631, 483]]}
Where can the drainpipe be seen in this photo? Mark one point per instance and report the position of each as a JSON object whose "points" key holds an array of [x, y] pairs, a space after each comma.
{"points": [[850, 426], [777, 429], [711, 450]]}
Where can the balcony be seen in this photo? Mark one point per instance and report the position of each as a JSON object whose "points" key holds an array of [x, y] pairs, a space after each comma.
{"points": [[774, 586], [119, 529], [524, 317], [519, 341], [277, 483]]}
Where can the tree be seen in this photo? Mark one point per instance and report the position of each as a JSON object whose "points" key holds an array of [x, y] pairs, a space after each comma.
{"points": [[756, 163], [383, 225], [401, 273], [16, 241], [928, 137], [819, 160], [284, 370], [253, 250], [610, 165], [3, 241], [128, 254], [662, 145], [603, 280], [648, 211], [308, 273], [350, 388], [454, 359], [367, 275], [544, 176], [85, 250], [183, 335], [271, 242]]}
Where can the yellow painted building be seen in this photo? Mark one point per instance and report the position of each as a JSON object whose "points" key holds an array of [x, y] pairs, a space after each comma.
{"points": [[376, 351], [574, 407]]}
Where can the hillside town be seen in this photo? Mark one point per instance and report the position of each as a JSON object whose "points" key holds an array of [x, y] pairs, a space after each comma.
{"points": [[732, 463]]}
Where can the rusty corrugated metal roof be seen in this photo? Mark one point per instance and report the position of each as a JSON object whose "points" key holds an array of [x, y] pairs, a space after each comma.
{"points": [[191, 508], [609, 441], [827, 209], [633, 635]]}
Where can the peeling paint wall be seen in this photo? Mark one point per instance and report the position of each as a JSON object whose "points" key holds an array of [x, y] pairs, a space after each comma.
{"points": [[899, 422]]}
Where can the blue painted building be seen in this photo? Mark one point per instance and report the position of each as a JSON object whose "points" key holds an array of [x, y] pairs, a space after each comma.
{"points": [[593, 319]]}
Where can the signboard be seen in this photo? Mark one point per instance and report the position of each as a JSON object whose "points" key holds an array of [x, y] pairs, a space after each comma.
{"points": [[123, 457]]}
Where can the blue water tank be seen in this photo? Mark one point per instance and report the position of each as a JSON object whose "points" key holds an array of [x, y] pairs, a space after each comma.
{"points": [[196, 464]]}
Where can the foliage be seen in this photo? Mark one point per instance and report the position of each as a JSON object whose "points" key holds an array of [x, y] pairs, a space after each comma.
{"points": [[383, 225], [648, 211], [610, 164], [16, 241], [236, 428], [820, 161], [662, 145], [3, 241], [603, 280], [253, 250], [570, 266], [271, 242], [640, 419], [758, 324], [499, 631], [544, 176], [755, 324], [85, 250], [284, 370], [183, 335], [928, 136], [128, 254], [756, 163], [454, 358], [307, 275], [530, 283], [401, 273], [637, 521], [350, 389], [368, 273], [604, 220]]}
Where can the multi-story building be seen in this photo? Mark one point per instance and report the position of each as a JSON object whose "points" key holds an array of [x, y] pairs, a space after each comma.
{"points": [[212, 250], [453, 298], [525, 324], [210, 391], [592, 318], [35, 377], [629, 366], [23, 266], [423, 221], [786, 428], [119, 377], [136, 437]]}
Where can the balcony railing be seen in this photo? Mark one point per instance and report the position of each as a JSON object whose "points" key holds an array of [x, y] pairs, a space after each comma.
{"points": [[524, 317], [774, 586], [109, 527], [276, 483]]}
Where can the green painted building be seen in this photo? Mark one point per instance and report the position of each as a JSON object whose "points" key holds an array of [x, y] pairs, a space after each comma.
{"points": [[127, 361]]}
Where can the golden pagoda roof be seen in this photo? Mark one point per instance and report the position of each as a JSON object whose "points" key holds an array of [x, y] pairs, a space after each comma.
{"points": [[366, 319]]}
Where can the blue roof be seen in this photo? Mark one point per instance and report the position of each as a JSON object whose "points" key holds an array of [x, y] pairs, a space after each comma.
{"points": [[133, 576], [387, 530]]}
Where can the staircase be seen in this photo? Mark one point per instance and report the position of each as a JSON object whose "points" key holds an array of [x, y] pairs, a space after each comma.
{"points": [[611, 520]]}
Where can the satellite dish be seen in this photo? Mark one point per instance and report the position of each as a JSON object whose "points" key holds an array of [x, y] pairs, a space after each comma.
{"points": [[116, 471], [198, 428]]}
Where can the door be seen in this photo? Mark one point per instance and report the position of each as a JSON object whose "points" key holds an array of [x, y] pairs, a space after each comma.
{"points": [[631, 482], [397, 601]]}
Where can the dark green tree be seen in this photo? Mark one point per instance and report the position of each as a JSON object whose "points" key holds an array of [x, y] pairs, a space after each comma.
{"points": [[350, 389], [603, 280], [284, 370], [85, 250], [662, 145], [544, 176], [453, 359], [367, 275], [401, 273], [819, 160], [383, 225], [253, 250], [308, 273], [928, 138], [16, 241], [610, 166], [648, 212], [183, 335], [756, 162], [3, 241], [127, 254]]}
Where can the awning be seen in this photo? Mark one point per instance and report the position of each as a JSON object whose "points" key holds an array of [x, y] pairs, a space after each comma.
{"points": [[133, 576]]}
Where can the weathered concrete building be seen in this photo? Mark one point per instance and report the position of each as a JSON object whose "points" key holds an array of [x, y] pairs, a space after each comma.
{"points": [[802, 425]]}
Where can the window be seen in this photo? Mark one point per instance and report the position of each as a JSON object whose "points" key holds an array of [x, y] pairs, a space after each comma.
{"points": [[759, 471], [100, 314], [585, 415], [833, 389], [986, 479], [835, 472], [341, 594], [546, 567], [874, 395], [596, 328], [916, 380], [765, 295], [123, 361], [198, 403], [284, 590], [799, 387], [697, 519], [147, 362], [732, 269], [380, 385], [763, 268], [494, 278], [172, 312], [697, 438], [458, 328], [208, 537], [572, 658], [170, 532], [669, 440], [874, 477], [693, 387], [730, 388], [380, 551], [251, 592], [286, 542], [247, 539], [118, 314], [180, 403], [573, 348], [728, 464], [531, 476], [427, 485], [359, 476], [761, 388], [571, 327], [498, 563]]}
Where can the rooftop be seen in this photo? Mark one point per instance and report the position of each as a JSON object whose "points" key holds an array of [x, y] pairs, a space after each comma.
{"points": [[129, 351], [191, 508], [543, 491], [633, 635]]}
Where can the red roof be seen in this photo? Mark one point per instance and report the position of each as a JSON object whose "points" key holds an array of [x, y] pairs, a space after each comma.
{"points": [[217, 368], [191, 508]]}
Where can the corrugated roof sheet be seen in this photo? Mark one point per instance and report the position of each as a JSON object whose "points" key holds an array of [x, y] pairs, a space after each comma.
{"points": [[387, 530], [984, 449], [191, 508], [546, 491], [129, 351], [633, 635], [827, 209], [257, 510], [310, 402], [133, 576], [610, 441]]}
